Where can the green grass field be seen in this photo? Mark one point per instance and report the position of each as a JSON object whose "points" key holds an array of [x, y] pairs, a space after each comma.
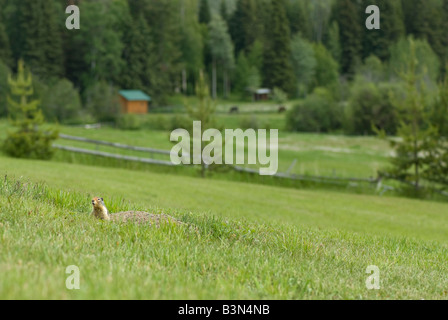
{"points": [[250, 241], [325, 155]]}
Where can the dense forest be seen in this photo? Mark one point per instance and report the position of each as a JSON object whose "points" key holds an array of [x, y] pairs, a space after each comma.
{"points": [[296, 46]]}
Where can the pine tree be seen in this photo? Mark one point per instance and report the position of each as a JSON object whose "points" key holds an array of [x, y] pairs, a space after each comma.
{"points": [[204, 12], [224, 11], [39, 40], [164, 23], [298, 20], [347, 16], [418, 136], [4, 71], [137, 54], [277, 69], [444, 39], [243, 25], [204, 112], [378, 42], [29, 141], [5, 48]]}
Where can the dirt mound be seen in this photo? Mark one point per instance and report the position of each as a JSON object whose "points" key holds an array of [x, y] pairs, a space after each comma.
{"points": [[141, 217]]}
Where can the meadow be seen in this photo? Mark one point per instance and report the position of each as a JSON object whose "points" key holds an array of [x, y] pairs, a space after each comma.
{"points": [[277, 243], [314, 154]]}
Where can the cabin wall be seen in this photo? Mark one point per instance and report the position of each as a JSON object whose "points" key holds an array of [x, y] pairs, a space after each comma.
{"points": [[137, 107]]}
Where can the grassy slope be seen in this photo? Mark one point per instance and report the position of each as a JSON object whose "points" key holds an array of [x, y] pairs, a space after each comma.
{"points": [[253, 242]]}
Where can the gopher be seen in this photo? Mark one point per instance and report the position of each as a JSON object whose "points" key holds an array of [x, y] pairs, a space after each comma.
{"points": [[100, 212]]}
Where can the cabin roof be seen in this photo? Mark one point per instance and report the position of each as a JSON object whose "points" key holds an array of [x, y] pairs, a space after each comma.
{"points": [[134, 95], [263, 91]]}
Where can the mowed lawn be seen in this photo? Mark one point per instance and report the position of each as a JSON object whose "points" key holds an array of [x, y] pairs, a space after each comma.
{"points": [[249, 241]]}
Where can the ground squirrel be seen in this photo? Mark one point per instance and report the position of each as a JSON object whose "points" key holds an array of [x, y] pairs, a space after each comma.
{"points": [[100, 212]]}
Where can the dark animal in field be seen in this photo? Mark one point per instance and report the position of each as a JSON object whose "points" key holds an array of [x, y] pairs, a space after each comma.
{"points": [[281, 109], [234, 109]]}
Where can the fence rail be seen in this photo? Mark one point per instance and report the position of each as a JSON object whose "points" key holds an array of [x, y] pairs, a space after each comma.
{"points": [[376, 183], [112, 155], [114, 144]]}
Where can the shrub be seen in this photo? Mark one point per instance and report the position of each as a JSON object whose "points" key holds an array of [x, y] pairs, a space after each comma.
{"points": [[129, 122], [370, 108], [180, 121], [61, 101], [319, 112], [34, 144], [102, 101], [279, 96]]}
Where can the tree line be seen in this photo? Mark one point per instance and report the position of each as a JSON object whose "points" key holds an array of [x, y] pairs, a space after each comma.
{"points": [[160, 45]]}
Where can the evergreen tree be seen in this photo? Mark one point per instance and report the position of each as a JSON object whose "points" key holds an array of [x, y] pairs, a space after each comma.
{"points": [[29, 141], [378, 42], [204, 112], [298, 20], [444, 39], [103, 52], [5, 48], [137, 54], [277, 68], [38, 37], [224, 11], [348, 19], [4, 71], [243, 25], [204, 12], [163, 20], [417, 135]]}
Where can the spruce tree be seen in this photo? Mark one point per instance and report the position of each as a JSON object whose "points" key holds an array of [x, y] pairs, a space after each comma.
{"points": [[164, 23], [348, 19], [277, 69], [378, 42], [298, 20], [5, 48], [243, 25], [137, 54], [39, 40], [204, 112], [224, 11], [29, 141], [204, 12], [444, 40], [418, 136]]}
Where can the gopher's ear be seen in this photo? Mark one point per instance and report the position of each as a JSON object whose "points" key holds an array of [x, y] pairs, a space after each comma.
{"points": [[101, 199]]}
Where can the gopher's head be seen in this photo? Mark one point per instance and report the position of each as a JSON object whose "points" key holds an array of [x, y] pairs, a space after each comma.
{"points": [[97, 202]]}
